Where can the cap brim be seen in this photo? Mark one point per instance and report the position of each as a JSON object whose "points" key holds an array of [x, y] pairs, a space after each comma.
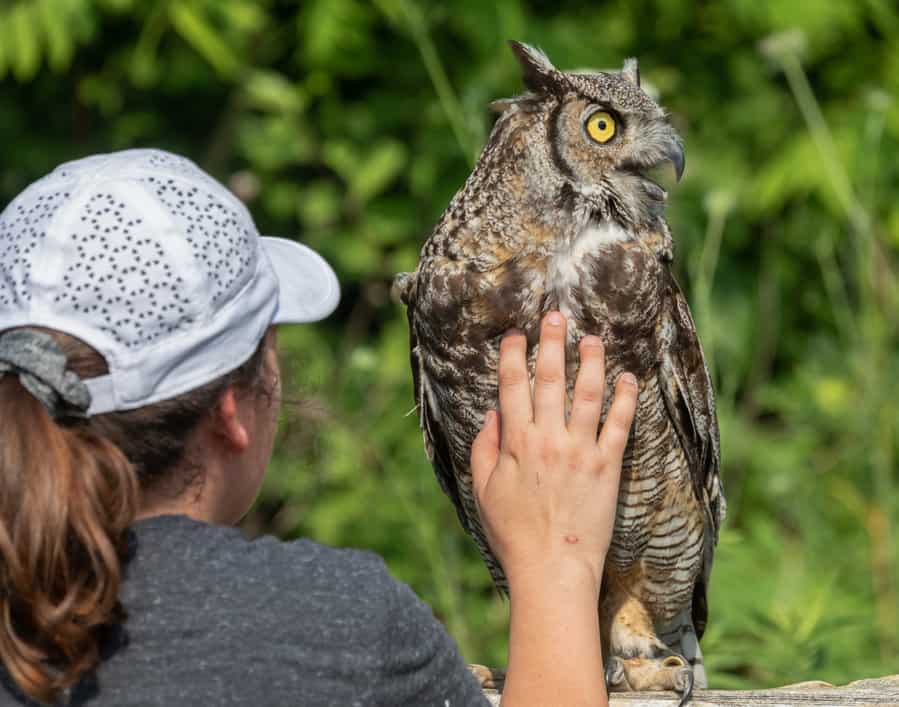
{"points": [[308, 287]]}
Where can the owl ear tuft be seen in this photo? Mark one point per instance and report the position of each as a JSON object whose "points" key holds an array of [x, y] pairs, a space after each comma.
{"points": [[631, 71], [540, 75]]}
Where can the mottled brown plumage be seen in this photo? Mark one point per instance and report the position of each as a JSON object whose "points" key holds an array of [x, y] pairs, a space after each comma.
{"points": [[552, 218]]}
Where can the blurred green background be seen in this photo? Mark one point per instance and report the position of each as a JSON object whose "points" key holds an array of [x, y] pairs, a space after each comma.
{"points": [[349, 124]]}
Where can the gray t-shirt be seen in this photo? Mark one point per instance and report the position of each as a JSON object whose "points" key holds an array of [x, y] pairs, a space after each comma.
{"points": [[215, 619]]}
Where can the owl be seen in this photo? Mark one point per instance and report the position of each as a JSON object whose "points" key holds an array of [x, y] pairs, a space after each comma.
{"points": [[560, 213]]}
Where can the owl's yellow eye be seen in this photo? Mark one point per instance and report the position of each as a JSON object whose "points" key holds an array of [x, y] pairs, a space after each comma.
{"points": [[601, 126]]}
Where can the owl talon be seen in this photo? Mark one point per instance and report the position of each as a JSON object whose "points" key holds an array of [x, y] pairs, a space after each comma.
{"points": [[671, 672], [616, 679], [683, 684]]}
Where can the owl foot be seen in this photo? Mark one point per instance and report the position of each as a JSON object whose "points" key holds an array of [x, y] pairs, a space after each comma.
{"points": [[671, 672], [488, 678]]}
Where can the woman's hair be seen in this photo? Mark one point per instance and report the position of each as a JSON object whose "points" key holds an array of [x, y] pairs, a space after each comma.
{"points": [[68, 493]]}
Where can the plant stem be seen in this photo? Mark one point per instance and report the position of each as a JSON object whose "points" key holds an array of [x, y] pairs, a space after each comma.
{"points": [[449, 101], [820, 132]]}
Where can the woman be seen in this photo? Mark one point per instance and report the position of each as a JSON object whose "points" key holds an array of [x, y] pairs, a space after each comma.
{"points": [[139, 393]]}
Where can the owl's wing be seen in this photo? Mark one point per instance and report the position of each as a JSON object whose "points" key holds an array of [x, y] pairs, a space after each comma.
{"points": [[690, 400], [436, 444]]}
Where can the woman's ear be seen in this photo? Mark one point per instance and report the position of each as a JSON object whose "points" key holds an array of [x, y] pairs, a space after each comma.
{"points": [[228, 424]]}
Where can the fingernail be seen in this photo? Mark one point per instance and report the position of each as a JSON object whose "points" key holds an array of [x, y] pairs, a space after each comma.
{"points": [[488, 418], [629, 379], [592, 341], [554, 319], [513, 332]]}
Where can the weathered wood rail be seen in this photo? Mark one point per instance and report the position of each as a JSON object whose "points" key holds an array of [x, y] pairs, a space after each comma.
{"points": [[875, 691]]}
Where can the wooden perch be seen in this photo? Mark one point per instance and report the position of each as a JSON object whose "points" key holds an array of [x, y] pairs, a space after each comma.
{"points": [[875, 691]]}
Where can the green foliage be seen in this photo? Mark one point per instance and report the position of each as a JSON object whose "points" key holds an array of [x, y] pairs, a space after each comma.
{"points": [[359, 120]]}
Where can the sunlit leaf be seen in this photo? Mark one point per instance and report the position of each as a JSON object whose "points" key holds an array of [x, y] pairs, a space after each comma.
{"points": [[197, 32], [335, 33], [377, 169], [56, 34], [271, 91], [22, 34], [319, 204]]}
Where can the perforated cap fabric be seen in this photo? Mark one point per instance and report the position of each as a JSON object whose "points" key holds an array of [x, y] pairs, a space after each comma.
{"points": [[153, 263]]}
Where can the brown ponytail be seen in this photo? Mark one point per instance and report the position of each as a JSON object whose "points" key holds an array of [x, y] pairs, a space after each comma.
{"points": [[68, 498], [68, 494]]}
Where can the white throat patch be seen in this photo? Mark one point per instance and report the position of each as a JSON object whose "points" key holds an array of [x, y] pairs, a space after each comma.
{"points": [[564, 270], [565, 265]]}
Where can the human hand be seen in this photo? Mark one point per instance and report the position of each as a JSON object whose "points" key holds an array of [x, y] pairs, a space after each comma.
{"points": [[547, 490]]}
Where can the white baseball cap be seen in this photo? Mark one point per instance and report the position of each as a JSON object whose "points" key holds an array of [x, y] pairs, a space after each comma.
{"points": [[153, 263]]}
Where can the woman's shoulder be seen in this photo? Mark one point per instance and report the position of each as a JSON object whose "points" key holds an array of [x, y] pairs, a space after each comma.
{"points": [[170, 544], [298, 599]]}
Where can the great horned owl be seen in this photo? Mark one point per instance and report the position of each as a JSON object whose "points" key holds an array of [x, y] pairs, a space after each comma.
{"points": [[559, 213]]}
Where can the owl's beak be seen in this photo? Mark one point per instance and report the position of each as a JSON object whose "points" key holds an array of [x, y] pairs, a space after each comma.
{"points": [[676, 155]]}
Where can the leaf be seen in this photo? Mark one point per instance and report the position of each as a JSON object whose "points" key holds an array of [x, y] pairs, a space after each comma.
{"points": [[275, 141], [892, 227], [271, 91], [793, 172], [59, 41], [246, 16], [117, 6], [197, 32], [319, 204], [335, 34], [372, 175], [341, 156], [25, 55], [4, 43]]}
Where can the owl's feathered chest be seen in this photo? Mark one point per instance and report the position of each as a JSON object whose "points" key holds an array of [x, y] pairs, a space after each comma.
{"points": [[606, 280]]}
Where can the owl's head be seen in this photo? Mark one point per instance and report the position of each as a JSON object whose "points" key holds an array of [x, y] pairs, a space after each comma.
{"points": [[603, 132]]}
